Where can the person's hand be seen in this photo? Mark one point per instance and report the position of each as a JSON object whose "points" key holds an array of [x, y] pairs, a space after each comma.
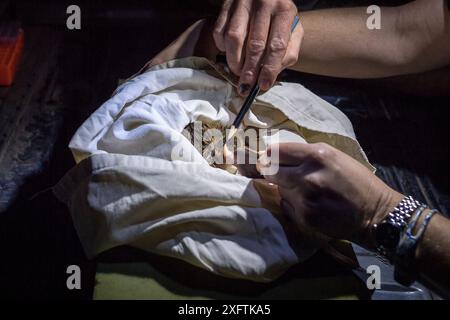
{"points": [[325, 190], [255, 33]]}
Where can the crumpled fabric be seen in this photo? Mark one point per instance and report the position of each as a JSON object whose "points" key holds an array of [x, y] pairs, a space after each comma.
{"points": [[127, 189]]}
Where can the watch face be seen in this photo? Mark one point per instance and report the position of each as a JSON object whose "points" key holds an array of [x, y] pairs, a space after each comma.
{"points": [[387, 235]]}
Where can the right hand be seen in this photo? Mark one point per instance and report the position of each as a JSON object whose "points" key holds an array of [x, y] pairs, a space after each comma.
{"points": [[327, 191], [254, 33]]}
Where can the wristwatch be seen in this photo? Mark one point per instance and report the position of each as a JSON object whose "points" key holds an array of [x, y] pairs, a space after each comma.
{"points": [[388, 232]]}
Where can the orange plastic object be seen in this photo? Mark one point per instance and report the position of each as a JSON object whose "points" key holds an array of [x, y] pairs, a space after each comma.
{"points": [[10, 53]]}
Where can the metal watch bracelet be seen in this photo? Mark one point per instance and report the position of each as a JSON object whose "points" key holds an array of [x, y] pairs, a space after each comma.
{"points": [[389, 231]]}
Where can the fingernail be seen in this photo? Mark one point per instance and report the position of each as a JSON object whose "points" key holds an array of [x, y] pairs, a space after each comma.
{"points": [[264, 84], [247, 77], [264, 160], [244, 88]]}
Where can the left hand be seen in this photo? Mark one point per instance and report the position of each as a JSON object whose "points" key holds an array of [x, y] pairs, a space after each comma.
{"points": [[327, 191]]}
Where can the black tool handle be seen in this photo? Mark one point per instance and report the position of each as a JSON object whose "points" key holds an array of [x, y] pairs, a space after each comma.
{"points": [[247, 104], [255, 90]]}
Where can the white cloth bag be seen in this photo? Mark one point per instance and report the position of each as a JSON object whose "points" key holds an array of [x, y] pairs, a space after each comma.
{"points": [[127, 190]]}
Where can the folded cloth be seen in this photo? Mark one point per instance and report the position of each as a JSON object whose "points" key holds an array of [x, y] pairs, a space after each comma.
{"points": [[132, 186]]}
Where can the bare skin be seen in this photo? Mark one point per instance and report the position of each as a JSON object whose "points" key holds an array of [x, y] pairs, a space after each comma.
{"points": [[321, 188], [325, 190], [337, 180], [256, 33], [336, 42], [414, 38]]}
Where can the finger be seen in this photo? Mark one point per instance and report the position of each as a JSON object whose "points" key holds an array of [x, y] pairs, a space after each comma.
{"points": [[221, 22], [256, 44], [286, 177], [292, 53], [235, 35], [277, 45], [287, 154]]}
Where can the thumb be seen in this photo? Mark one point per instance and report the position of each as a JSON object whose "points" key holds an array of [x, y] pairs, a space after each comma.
{"points": [[285, 177]]}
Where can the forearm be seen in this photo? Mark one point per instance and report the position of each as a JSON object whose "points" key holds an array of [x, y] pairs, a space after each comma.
{"points": [[413, 38], [338, 43], [433, 254]]}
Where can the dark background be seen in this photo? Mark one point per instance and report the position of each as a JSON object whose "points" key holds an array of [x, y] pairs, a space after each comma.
{"points": [[65, 75]]}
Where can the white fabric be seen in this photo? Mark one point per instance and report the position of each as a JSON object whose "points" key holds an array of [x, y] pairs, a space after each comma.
{"points": [[126, 189]]}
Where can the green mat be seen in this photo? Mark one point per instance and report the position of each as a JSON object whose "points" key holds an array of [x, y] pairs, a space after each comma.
{"points": [[128, 274]]}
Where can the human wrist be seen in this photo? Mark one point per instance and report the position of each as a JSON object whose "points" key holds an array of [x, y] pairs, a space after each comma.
{"points": [[387, 201], [386, 204]]}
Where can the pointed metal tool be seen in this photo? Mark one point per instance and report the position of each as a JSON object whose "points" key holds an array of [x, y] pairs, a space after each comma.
{"points": [[251, 97]]}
